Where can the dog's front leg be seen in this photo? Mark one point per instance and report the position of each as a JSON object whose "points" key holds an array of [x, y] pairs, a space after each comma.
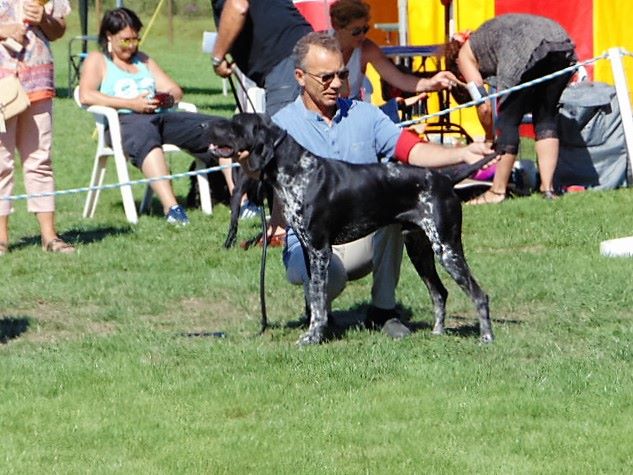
{"points": [[317, 296]]}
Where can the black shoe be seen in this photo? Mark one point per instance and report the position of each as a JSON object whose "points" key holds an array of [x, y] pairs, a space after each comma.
{"points": [[377, 317], [395, 329], [386, 320]]}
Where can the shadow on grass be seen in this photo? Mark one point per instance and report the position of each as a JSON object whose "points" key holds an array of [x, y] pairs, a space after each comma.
{"points": [[354, 319], [75, 236], [12, 327]]}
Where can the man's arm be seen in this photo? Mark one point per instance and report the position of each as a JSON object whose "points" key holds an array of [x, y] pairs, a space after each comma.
{"points": [[409, 149], [231, 24]]}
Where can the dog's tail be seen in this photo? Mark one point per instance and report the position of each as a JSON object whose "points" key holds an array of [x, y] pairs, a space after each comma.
{"points": [[457, 173]]}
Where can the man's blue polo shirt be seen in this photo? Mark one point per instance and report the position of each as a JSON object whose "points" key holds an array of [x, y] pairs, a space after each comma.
{"points": [[359, 133]]}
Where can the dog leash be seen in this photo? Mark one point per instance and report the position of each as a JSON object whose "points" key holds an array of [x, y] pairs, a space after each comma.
{"points": [[262, 214]]}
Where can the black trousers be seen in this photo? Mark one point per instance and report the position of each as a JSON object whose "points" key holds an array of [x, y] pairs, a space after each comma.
{"points": [[542, 100], [141, 133]]}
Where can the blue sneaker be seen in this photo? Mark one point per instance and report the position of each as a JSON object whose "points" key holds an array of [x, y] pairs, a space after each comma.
{"points": [[177, 216], [249, 211]]}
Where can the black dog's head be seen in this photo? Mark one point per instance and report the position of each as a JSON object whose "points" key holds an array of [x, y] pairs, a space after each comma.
{"points": [[255, 134]]}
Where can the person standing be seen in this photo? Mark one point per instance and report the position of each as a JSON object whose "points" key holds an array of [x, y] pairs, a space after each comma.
{"points": [[26, 29], [259, 35]]}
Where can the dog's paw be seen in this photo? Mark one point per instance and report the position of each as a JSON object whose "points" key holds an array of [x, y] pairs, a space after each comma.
{"points": [[310, 338], [487, 338]]}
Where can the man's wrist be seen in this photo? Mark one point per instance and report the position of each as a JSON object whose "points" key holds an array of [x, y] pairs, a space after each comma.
{"points": [[216, 61]]}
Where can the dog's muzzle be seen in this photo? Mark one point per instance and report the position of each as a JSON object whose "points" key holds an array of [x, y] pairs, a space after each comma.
{"points": [[221, 151]]}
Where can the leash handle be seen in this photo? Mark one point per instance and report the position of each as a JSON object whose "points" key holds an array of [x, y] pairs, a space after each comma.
{"points": [[237, 101]]}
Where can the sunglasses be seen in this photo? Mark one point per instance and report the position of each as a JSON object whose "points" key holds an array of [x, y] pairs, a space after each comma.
{"points": [[127, 42], [361, 30], [327, 78]]}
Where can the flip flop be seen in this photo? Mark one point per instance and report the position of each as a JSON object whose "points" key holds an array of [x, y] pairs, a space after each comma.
{"points": [[487, 199]]}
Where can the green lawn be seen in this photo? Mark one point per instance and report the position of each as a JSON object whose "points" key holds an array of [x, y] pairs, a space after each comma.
{"points": [[100, 373]]}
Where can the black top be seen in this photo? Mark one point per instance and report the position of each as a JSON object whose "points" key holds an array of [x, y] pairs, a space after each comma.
{"points": [[269, 35]]}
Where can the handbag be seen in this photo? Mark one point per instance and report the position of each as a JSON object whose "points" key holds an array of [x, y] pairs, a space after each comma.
{"points": [[13, 100]]}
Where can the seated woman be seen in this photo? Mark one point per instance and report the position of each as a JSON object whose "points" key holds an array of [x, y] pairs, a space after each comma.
{"points": [[122, 77], [350, 21]]}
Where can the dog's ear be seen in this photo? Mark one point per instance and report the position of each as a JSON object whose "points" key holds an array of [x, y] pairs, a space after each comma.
{"points": [[262, 152]]}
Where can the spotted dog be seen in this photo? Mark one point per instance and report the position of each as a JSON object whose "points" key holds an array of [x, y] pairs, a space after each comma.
{"points": [[332, 202]]}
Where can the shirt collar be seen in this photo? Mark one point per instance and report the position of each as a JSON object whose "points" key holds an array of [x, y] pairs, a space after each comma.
{"points": [[343, 106]]}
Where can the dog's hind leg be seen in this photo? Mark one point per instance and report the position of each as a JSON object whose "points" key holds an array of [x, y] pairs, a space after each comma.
{"points": [[421, 254], [453, 260], [447, 246]]}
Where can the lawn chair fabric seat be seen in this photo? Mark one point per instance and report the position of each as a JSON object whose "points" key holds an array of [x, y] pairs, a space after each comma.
{"points": [[108, 126]]}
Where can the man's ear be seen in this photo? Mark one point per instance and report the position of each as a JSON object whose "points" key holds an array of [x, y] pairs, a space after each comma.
{"points": [[300, 76]]}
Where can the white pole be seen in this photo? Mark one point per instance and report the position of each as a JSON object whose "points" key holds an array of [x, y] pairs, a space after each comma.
{"points": [[622, 246], [403, 23], [622, 92]]}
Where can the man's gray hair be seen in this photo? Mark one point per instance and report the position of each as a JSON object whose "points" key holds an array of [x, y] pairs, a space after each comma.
{"points": [[315, 38]]}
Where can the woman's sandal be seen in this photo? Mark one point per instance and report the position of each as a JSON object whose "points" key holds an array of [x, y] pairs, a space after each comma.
{"points": [[4, 248], [57, 245], [487, 199], [549, 195]]}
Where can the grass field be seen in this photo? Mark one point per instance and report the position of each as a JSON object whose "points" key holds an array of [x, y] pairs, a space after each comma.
{"points": [[101, 370]]}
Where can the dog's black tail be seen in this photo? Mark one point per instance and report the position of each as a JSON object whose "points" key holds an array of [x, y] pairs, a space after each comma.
{"points": [[457, 173]]}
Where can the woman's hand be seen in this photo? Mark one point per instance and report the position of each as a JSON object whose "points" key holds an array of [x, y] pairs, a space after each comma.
{"points": [[440, 81], [144, 105], [33, 12], [15, 31]]}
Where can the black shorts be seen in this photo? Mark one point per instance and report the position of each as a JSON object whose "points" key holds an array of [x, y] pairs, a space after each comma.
{"points": [[142, 133]]}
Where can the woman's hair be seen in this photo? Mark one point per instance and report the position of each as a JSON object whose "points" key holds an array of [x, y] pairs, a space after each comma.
{"points": [[450, 51], [343, 12], [114, 21], [320, 39]]}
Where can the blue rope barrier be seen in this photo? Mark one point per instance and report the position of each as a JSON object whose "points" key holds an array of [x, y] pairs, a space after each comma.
{"points": [[176, 176], [113, 186], [504, 92]]}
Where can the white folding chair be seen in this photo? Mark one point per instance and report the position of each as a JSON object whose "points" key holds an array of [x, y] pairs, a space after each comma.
{"points": [[107, 122]]}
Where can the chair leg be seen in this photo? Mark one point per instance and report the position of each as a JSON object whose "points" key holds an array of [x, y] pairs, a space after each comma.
{"points": [[147, 200], [96, 180], [126, 190], [203, 188]]}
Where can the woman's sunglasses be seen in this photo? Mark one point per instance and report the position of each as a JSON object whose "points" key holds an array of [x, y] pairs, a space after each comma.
{"points": [[361, 30]]}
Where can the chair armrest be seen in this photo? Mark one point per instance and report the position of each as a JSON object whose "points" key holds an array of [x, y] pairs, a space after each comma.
{"points": [[187, 107], [111, 117]]}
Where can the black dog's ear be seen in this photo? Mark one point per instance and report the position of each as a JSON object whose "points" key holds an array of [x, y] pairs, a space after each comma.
{"points": [[262, 152]]}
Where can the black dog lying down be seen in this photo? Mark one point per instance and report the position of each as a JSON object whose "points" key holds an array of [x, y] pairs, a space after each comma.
{"points": [[332, 202]]}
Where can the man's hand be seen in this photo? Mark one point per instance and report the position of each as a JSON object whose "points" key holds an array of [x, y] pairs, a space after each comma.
{"points": [[474, 152], [223, 68]]}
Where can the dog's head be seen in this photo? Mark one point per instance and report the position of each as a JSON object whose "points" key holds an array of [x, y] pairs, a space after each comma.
{"points": [[254, 134]]}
